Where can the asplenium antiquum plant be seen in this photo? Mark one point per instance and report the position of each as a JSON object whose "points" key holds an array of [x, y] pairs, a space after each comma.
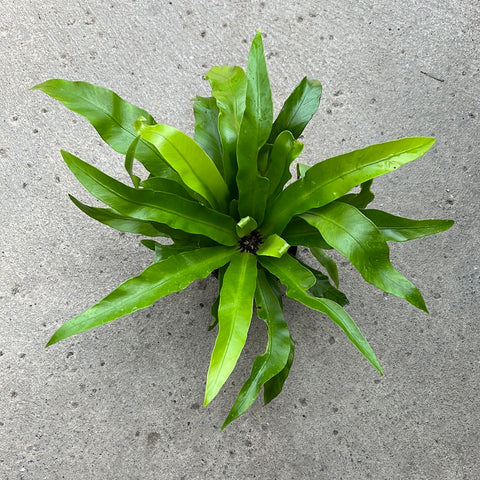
{"points": [[222, 200]]}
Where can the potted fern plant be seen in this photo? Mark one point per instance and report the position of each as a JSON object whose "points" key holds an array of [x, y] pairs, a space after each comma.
{"points": [[222, 200]]}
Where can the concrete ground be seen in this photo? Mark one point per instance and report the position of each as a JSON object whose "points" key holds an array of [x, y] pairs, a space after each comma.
{"points": [[124, 401]]}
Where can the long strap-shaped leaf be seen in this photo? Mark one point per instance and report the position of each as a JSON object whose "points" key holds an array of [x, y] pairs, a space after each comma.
{"points": [[274, 386], [332, 178], [229, 86], [175, 211], [254, 131], [298, 109], [206, 129], [119, 222], [400, 229], [189, 160], [158, 280], [298, 280], [234, 317], [110, 115], [269, 364], [352, 234]]}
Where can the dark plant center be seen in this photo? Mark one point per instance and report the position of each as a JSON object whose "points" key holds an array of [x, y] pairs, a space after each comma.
{"points": [[250, 243]]}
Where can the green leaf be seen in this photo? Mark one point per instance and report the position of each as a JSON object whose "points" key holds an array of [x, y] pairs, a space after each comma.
{"points": [[274, 386], [186, 157], [254, 131], [298, 109], [177, 212], [332, 178], [273, 246], [159, 184], [352, 234], [129, 158], [299, 232], [158, 280], [216, 303], [229, 86], [273, 361], [399, 229], [162, 252], [284, 151], [298, 280], [206, 129], [234, 316], [327, 262], [245, 226], [118, 222], [323, 289], [360, 199], [302, 170], [111, 116]]}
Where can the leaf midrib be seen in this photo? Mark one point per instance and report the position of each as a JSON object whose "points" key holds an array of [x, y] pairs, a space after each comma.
{"points": [[195, 174], [305, 195], [384, 264], [234, 319], [156, 207], [130, 132]]}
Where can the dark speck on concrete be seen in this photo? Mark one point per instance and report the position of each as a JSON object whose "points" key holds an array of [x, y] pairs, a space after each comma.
{"points": [[153, 438]]}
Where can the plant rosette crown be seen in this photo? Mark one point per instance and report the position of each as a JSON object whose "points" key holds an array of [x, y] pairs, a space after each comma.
{"points": [[222, 200]]}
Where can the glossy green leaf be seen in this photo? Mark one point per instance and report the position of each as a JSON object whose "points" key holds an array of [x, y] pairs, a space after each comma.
{"points": [[159, 184], [399, 229], [298, 109], [245, 226], [273, 361], [254, 131], [323, 288], [206, 129], [186, 157], [360, 199], [234, 317], [299, 232], [158, 280], [273, 246], [352, 234], [118, 222], [129, 158], [168, 208], [229, 86], [162, 252], [284, 151], [326, 262], [298, 280], [110, 115], [332, 178], [274, 386]]}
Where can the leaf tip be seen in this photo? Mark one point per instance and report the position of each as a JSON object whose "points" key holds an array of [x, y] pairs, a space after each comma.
{"points": [[51, 341]]}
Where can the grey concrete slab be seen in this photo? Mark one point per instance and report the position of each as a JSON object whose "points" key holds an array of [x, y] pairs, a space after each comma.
{"points": [[123, 401]]}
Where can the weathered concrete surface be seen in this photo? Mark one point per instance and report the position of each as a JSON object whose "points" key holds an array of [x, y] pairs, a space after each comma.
{"points": [[123, 401]]}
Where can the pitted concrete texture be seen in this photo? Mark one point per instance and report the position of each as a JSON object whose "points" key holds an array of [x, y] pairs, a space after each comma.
{"points": [[124, 401]]}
